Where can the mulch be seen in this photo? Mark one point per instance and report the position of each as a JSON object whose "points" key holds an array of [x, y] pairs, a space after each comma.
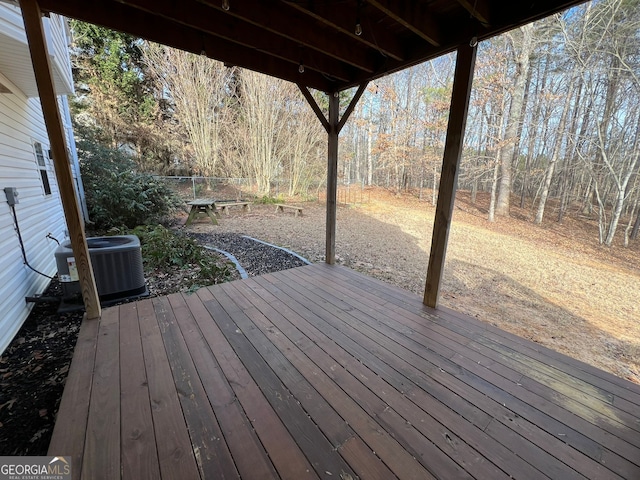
{"points": [[33, 371]]}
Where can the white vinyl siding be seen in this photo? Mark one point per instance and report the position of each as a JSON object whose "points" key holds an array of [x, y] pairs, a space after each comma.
{"points": [[21, 125], [15, 60]]}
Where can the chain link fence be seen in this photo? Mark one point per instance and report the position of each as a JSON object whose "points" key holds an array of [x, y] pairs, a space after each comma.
{"points": [[220, 189], [236, 189]]}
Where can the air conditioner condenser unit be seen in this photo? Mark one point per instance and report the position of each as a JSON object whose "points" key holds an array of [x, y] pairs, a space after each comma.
{"points": [[117, 267]]}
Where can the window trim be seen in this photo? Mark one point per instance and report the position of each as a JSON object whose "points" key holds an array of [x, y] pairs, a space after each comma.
{"points": [[41, 163]]}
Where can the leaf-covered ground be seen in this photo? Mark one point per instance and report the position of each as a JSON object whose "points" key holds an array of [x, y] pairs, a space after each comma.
{"points": [[33, 370]]}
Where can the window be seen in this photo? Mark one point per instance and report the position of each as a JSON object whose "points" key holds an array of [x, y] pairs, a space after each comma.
{"points": [[42, 166]]}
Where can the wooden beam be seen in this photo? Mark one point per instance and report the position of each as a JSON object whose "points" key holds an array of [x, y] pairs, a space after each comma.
{"points": [[314, 106], [352, 105], [126, 19], [32, 17], [294, 25], [412, 15], [332, 178], [463, 78], [219, 24], [479, 9], [342, 17]]}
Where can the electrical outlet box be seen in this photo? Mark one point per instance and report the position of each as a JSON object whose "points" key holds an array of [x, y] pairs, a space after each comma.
{"points": [[12, 195]]}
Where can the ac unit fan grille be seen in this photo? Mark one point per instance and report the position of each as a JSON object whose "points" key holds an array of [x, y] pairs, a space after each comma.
{"points": [[117, 267]]}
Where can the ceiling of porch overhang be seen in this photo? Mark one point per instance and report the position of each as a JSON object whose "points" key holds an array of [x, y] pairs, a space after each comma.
{"points": [[277, 36]]}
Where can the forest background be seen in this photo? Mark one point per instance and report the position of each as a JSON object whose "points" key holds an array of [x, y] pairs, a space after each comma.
{"points": [[554, 121]]}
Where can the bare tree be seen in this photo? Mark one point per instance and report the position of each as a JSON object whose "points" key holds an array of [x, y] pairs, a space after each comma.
{"points": [[263, 127], [196, 87], [521, 45], [607, 53], [304, 152], [559, 138]]}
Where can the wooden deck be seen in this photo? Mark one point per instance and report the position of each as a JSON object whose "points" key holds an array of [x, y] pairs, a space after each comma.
{"points": [[321, 372]]}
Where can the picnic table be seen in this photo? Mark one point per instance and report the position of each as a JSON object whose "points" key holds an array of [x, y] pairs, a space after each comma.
{"points": [[202, 207]]}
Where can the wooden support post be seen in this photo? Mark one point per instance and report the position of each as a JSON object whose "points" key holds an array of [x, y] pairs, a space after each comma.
{"points": [[352, 105], [463, 78], [333, 127], [332, 179], [32, 17], [314, 106]]}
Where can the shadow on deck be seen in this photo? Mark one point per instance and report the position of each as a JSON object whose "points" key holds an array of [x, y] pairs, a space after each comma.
{"points": [[322, 372]]}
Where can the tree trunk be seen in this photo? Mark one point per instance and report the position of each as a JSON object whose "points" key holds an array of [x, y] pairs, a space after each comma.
{"points": [[568, 173], [636, 227], [620, 199], [555, 155], [587, 205], [535, 120], [514, 119], [474, 191], [630, 224], [494, 187], [358, 161], [434, 186], [369, 155]]}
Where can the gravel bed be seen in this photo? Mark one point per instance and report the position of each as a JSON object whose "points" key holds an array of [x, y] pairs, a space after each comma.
{"points": [[255, 257]]}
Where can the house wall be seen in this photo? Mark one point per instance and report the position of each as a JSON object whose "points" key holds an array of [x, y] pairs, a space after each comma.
{"points": [[58, 35], [15, 60], [38, 213]]}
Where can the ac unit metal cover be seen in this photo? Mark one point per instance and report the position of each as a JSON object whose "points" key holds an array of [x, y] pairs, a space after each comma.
{"points": [[117, 267]]}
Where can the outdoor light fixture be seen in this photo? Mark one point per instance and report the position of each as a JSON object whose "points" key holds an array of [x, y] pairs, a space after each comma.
{"points": [[358, 30], [301, 68], [225, 5]]}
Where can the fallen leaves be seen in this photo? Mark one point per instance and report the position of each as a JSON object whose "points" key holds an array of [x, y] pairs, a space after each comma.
{"points": [[9, 404], [34, 369]]}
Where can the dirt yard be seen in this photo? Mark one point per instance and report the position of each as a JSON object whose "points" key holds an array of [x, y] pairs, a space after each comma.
{"points": [[552, 284]]}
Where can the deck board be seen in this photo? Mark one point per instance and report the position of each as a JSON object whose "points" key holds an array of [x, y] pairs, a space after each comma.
{"points": [[69, 435], [139, 453], [322, 372], [209, 446], [102, 448], [235, 426], [175, 452], [286, 455]]}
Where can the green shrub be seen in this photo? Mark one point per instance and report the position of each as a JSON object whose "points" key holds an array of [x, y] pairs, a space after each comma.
{"points": [[266, 200], [164, 249], [118, 195]]}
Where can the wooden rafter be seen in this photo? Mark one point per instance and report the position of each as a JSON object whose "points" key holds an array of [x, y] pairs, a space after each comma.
{"points": [[342, 18], [294, 25], [414, 16], [217, 23], [275, 36], [479, 9], [151, 27]]}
